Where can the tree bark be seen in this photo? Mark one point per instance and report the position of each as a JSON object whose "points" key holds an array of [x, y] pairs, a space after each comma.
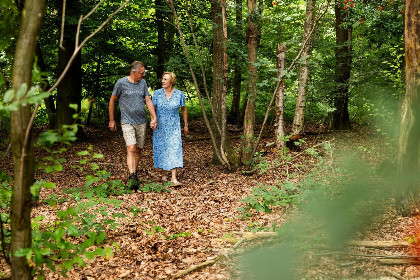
{"points": [[408, 142], [234, 116], [49, 102], [220, 81], [249, 118], [69, 91], [22, 144], [299, 118], [160, 48], [97, 89], [343, 59], [281, 58]]}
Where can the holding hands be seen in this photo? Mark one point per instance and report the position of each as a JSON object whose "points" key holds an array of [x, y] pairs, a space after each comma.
{"points": [[153, 124]]}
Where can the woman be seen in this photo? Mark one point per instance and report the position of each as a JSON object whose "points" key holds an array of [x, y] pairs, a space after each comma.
{"points": [[167, 143]]}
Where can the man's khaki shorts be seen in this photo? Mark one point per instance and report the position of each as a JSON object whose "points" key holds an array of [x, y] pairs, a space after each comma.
{"points": [[134, 134]]}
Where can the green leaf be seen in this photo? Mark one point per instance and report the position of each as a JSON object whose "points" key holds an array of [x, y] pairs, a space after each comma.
{"points": [[74, 106], [79, 260], [100, 238], [89, 255], [21, 91], [58, 167], [83, 153], [49, 169], [49, 185], [108, 252], [72, 229], [23, 252], [98, 156], [8, 96]]}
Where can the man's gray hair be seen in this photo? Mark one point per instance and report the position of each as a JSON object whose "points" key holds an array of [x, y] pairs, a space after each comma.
{"points": [[136, 65]]}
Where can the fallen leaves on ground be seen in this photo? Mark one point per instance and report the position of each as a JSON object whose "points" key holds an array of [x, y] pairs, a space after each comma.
{"points": [[195, 222]]}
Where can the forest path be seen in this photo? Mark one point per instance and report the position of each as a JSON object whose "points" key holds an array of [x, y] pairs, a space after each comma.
{"points": [[167, 232]]}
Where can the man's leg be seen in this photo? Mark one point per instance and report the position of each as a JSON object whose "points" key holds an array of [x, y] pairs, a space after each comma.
{"points": [[132, 158], [132, 163], [133, 153], [137, 158]]}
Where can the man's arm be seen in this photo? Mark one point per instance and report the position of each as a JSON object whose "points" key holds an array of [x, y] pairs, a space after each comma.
{"points": [[111, 108], [152, 112]]}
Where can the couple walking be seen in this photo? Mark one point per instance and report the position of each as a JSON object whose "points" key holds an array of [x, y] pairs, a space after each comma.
{"points": [[132, 95]]}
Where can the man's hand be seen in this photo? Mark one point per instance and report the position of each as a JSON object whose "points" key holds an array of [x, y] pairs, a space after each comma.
{"points": [[113, 125], [153, 124]]}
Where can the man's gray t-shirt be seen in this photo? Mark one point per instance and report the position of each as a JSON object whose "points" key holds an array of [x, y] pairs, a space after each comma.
{"points": [[131, 97]]}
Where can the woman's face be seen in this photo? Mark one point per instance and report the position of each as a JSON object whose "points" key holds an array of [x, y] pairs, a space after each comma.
{"points": [[166, 81]]}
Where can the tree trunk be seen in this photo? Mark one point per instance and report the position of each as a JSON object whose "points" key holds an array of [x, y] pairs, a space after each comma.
{"points": [[160, 47], [22, 144], [96, 91], [343, 58], [49, 102], [234, 115], [249, 118], [69, 91], [408, 142], [298, 120], [220, 81], [281, 58]]}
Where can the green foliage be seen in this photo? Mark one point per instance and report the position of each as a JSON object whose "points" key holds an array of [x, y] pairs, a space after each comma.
{"points": [[264, 198], [24, 96], [180, 234], [135, 210], [5, 200], [58, 246], [78, 232], [8, 24], [154, 187]]}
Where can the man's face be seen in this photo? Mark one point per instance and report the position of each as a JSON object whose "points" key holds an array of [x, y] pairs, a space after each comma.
{"points": [[140, 74]]}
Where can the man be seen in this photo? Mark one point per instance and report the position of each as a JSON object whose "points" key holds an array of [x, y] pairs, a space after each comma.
{"points": [[132, 94]]}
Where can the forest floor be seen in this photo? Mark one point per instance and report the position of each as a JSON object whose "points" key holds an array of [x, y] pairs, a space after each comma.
{"points": [[199, 226]]}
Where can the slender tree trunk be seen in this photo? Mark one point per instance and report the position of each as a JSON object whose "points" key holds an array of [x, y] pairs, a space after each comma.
{"points": [[343, 58], [234, 115], [97, 89], [299, 118], [281, 58], [69, 91], [249, 118], [49, 102], [22, 144], [220, 81], [408, 142], [160, 48]]}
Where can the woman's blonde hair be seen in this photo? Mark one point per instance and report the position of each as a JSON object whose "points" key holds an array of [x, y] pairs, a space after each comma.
{"points": [[172, 77]]}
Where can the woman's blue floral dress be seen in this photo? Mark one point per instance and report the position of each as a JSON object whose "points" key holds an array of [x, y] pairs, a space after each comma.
{"points": [[167, 142]]}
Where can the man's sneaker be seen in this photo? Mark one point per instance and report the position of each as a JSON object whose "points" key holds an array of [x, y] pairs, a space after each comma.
{"points": [[133, 182]]}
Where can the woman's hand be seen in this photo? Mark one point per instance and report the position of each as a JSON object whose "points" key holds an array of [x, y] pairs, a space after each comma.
{"points": [[186, 129]]}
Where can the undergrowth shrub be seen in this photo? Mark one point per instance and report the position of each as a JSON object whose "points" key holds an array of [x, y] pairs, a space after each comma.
{"points": [[263, 198], [77, 233]]}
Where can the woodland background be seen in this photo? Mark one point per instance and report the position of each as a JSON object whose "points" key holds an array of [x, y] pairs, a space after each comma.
{"points": [[299, 111]]}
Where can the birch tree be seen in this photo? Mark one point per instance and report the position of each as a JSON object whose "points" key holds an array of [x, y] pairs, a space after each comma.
{"points": [[298, 120]]}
